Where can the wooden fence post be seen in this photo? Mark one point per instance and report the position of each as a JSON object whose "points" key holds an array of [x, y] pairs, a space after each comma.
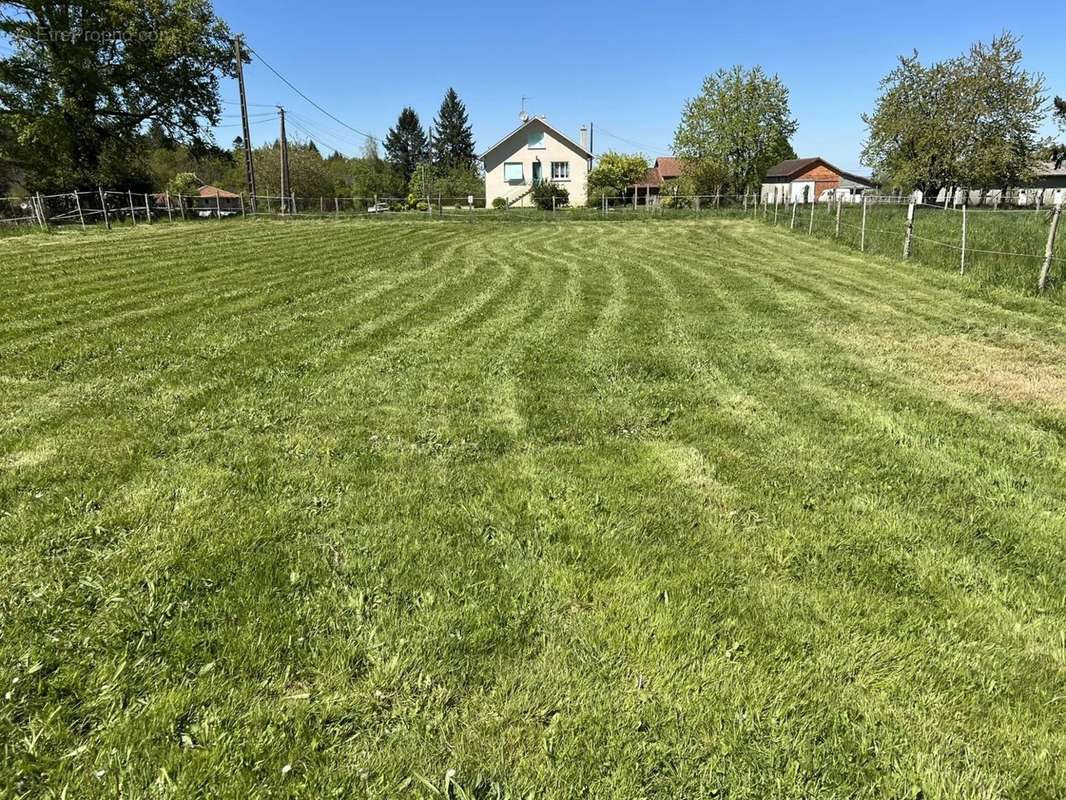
{"points": [[218, 206], [962, 252], [745, 201], [840, 205], [336, 208], [147, 211], [792, 224], [1049, 249], [910, 230], [170, 209], [103, 207], [810, 226], [81, 217], [242, 205], [181, 206], [862, 236], [776, 205]]}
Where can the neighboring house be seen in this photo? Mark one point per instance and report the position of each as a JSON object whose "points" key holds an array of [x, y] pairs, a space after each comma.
{"points": [[227, 201], [204, 201], [666, 168], [534, 152], [807, 179]]}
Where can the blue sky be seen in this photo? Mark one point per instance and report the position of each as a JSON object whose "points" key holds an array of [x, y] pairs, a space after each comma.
{"points": [[627, 67]]}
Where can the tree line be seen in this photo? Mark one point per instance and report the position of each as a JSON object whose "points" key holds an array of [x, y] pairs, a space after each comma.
{"points": [[970, 121], [134, 109]]}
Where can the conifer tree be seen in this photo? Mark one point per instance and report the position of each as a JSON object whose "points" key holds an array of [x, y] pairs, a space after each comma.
{"points": [[453, 139], [405, 144]]}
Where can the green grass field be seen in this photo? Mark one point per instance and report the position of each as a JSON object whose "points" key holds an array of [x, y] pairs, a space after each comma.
{"points": [[660, 509], [1004, 247]]}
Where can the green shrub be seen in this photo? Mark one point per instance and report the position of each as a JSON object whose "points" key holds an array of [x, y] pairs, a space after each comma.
{"points": [[499, 202], [547, 195]]}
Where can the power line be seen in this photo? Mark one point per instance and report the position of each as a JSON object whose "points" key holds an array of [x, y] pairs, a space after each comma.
{"points": [[322, 133], [644, 145], [308, 99], [318, 141]]}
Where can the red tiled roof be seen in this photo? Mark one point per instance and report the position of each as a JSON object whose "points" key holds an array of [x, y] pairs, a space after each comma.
{"points": [[214, 191], [651, 178], [668, 166]]}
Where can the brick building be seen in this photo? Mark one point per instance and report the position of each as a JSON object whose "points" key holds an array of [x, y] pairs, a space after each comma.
{"points": [[807, 179]]}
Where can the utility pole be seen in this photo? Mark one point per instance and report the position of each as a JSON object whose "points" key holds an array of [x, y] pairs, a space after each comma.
{"points": [[284, 162], [249, 167]]}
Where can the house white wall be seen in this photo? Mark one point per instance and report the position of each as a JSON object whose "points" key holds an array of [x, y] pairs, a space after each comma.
{"points": [[515, 149]]}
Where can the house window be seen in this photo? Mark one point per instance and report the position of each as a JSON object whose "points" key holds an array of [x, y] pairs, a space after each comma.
{"points": [[536, 140], [560, 170], [512, 172]]}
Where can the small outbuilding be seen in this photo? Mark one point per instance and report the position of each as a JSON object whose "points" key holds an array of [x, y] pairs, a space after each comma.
{"points": [[806, 180], [666, 168]]}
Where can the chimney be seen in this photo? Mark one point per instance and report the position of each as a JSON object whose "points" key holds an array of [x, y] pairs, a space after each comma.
{"points": [[584, 138]]}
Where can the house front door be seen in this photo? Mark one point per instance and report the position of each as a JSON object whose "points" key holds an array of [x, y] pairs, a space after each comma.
{"points": [[536, 172]]}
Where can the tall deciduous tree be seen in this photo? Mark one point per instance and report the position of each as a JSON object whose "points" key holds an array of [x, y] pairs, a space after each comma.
{"points": [[968, 121], [741, 119], [405, 144], [453, 139], [85, 77]]}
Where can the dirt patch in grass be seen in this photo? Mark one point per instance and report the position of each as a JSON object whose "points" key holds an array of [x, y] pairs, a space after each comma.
{"points": [[1007, 367]]}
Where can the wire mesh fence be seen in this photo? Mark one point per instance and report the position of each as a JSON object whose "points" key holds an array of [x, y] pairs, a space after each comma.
{"points": [[1006, 241], [1015, 247]]}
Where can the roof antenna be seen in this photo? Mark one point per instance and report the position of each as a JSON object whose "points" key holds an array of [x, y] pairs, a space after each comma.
{"points": [[523, 116]]}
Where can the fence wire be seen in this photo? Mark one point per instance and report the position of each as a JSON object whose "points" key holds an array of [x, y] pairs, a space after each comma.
{"points": [[1001, 245]]}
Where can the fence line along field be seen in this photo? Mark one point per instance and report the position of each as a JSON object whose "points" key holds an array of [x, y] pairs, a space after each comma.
{"points": [[683, 508]]}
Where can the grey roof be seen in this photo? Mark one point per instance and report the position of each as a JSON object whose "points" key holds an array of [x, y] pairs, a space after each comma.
{"points": [[790, 167]]}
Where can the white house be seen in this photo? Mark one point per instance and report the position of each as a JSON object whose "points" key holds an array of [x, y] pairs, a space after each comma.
{"points": [[534, 152]]}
